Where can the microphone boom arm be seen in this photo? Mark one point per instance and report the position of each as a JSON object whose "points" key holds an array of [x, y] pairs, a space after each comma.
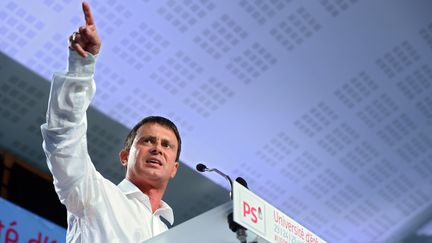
{"points": [[224, 175], [238, 229], [203, 168]]}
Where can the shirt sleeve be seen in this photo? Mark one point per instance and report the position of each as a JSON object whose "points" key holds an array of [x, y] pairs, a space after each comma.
{"points": [[64, 133]]}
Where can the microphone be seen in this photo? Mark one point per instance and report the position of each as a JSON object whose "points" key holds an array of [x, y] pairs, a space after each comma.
{"points": [[242, 182], [238, 229], [202, 168]]}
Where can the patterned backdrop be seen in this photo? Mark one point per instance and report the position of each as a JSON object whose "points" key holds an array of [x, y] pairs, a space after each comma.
{"points": [[325, 107]]}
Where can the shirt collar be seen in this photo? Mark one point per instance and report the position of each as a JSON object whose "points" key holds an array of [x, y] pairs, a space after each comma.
{"points": [[132, 191]]}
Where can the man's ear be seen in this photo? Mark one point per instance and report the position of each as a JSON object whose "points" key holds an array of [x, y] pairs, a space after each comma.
{"points": [[174, 172], [124, 155]]}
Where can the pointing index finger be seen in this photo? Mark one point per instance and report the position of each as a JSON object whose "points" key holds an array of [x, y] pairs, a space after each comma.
{"points": [[87, 13]]}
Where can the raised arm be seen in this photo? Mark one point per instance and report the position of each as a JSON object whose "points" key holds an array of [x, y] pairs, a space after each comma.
{"points": [[64, 133]]}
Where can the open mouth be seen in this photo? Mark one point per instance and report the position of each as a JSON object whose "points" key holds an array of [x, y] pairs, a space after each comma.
{"points": [[154, 161]]}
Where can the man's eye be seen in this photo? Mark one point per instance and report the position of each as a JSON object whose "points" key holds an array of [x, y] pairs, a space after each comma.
{"points": [[167, 145]]}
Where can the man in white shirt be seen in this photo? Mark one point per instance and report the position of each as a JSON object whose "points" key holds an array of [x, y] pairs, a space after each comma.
{"points": [[98, 210]]}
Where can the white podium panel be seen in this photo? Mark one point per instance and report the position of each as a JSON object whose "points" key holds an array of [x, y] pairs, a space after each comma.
{"points": [[209, 227], [259, 216], [252, 212]]}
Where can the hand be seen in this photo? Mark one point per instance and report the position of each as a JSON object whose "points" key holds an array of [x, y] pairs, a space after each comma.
{"points": [[87, 38]]}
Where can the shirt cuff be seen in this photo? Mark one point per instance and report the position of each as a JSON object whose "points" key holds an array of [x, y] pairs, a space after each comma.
{"points": [[80, 66]]}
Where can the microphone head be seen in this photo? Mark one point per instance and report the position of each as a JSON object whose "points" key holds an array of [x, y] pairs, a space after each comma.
{"points": [[242, 181], [200, 167]]}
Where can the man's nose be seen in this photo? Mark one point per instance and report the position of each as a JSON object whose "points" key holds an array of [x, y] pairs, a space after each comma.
{"points": [[156, 149]]}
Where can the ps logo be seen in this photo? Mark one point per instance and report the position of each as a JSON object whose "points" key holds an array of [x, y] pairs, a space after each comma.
{"points": [[253, 212]]}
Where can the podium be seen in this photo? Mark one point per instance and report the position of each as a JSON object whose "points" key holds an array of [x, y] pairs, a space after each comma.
{"points": [[209, 227], [263, 222]]}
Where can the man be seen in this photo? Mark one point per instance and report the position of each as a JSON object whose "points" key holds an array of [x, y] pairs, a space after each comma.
{"points": [[98, 210]]}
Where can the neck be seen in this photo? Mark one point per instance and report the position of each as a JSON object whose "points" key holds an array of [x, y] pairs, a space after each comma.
{"points": [[155, 194]]}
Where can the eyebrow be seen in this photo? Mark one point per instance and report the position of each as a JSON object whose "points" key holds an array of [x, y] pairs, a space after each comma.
{"points": [[154, 138], [146, 137]]}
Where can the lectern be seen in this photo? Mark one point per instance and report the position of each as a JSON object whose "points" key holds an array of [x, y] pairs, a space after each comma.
{"points": [[263, 223]]}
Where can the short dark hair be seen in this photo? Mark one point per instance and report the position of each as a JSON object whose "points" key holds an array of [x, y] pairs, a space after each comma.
{"points": [[157, 120]]}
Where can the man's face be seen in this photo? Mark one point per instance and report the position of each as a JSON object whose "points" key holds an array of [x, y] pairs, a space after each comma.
{"points": [[152, 157]]}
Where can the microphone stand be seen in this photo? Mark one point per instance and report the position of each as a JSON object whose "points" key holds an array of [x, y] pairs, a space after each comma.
{"points": [[203, 168], [236, 228]]}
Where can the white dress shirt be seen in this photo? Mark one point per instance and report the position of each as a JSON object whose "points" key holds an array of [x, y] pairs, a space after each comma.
{"points": [[98, 210]]}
